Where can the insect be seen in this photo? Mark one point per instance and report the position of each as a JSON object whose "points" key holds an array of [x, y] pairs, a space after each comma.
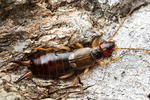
{"points": [[63, 65]]}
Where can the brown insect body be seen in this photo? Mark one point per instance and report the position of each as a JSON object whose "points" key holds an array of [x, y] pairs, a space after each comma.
{"points": [[51, 65], [55, 65]]}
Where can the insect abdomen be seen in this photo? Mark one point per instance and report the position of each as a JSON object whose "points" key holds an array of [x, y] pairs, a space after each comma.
{"points": [[51, 65]]}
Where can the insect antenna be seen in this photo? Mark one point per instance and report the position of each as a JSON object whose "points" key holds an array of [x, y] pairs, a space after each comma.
{"points": [[111, 39], [132, 49]]}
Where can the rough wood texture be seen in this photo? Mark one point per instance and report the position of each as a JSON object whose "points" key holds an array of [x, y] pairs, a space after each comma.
{"points": [[25, 24]]}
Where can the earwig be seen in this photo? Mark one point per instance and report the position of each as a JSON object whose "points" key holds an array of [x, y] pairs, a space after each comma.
{"points": [[63, 65], [54, 65]]}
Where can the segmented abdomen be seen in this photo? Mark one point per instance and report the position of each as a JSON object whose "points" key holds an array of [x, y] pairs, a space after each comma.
{"points": [[51, 65]]}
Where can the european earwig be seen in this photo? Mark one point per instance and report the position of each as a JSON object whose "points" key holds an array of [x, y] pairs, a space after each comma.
{"points": [[59, 65], [63, 65]]}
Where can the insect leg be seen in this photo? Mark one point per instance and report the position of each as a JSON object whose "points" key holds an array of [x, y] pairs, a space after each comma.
{"points": [[109, 59], [95, 42], [47, 49], [66, 75], [85, 71], [65, 48], [79, 45], [37, 48]]}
